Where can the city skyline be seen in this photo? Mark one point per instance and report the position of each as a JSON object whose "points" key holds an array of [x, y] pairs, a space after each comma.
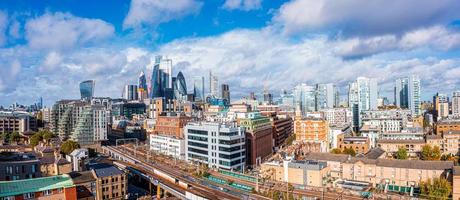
{"points": [[47, 49]]}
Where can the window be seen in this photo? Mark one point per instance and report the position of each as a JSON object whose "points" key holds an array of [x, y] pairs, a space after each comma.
{"points": [[47, 192], [7, 198], [29, 195]]}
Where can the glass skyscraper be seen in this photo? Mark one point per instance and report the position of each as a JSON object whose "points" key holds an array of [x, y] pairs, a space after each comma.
{"points": [[87, 90], [362, 96], [198, 88], [180, 87], [407, 94], [304, 96], [142, 87]]}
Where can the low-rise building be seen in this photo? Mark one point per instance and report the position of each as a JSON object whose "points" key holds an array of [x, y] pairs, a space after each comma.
{"points": [[168, 145], [385, 174], [18, 165], [299, 172], [171, 124], [84, 179], [217, 144], [282, 128], [111, 182], [312, 130], [446, 125], [52, 187], [359, 144], [259, 137], [54, 165], [413, 147]]}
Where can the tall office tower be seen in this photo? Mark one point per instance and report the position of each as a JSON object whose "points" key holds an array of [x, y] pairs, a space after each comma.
{"points": [[362, 96], [268, 97], [155, 82], [213, 85], [180, 87], [325, 96], [142, 87], [198, 88], [304, 96], [165, 66], [161, 79], [252, 96], [130, 92], [456, 103], [87, 90], [441, 105], [225, 89], [407, 94]]}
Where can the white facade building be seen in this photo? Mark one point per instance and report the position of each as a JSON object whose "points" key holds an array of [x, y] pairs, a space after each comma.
{"points": [[168, 145], [219, 145], [456, 103]]}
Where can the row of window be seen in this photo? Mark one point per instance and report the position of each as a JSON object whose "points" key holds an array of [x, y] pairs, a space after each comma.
{"points": [[197, 138], [19, 169], [198, 132]]}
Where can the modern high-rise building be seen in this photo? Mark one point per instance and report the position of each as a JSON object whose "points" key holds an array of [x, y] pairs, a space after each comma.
{"points": [[130, 92], [456, 103], [326, 96], [362, 96], [225, 89], [161, 79], [441, 105], [180, 87], [304, 96], [213, 85], [198, 88], [407, 94], [142, 87], [87, 90]]}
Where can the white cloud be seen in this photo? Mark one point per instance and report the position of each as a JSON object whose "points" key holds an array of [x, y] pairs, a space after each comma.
{"points": [[245, 5], [154, 12], [8, 75], [52, 60], [245, 59], [64, 31], [362, 17], [435, 37]]}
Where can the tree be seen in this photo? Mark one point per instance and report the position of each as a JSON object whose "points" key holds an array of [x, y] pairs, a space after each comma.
{"points": [[14, 137], [438, 188], [430, 153], [68, 146], [336, 151], [349, 151], [35, 139], [401, 154], [47, 135]]}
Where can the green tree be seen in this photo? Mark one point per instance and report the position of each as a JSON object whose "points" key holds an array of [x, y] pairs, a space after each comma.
{"points": [[68, 146], [430, 153], [14, 137], [47, 135], [35, 139], [336, 151], [349, 151], [401, 154], [4, 137], [438, 188]]}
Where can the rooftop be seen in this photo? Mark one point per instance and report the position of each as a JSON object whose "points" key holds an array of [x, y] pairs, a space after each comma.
{"points": [[16, 156], [105, 169], [12, 188], [374, 153], [82, 177], [389, 141]]}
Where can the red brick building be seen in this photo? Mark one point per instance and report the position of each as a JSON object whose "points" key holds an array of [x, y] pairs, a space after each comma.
{"points": [[171, 125]]}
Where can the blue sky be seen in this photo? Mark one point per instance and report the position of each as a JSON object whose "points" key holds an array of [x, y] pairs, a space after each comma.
{"points": [[48, 47]]}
